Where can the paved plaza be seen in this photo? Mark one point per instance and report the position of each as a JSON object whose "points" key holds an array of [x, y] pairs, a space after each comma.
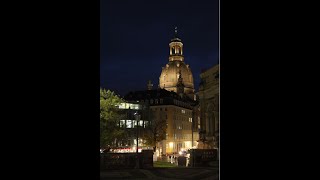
{"points": [[162, 173]]}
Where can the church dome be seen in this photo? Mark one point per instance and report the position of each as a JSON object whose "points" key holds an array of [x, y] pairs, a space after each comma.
{"points": [[170, 75]]}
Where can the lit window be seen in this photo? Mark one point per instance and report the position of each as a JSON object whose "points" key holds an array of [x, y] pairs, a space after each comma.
{"points": [[122, 123], [129, 124], [122, 106], [171, 144]]}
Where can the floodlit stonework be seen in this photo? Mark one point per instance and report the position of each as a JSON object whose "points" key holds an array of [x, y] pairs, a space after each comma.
{"points": [[169, 77], [209, 103]]}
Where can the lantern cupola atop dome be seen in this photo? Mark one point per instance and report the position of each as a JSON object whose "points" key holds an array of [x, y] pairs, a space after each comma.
{"points": [[176, 75], [176, 48]]}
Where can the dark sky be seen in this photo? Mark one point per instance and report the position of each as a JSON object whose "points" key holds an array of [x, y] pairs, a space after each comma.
{"points": [[135, 38]]}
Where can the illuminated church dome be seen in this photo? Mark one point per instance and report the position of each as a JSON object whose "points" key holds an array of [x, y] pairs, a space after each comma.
{"points": [[169, 78]]}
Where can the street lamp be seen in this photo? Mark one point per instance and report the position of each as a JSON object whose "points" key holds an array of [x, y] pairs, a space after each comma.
{"points": [[137, 116]]}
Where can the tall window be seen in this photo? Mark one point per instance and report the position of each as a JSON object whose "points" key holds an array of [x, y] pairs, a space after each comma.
{"points": [[129, 124]]}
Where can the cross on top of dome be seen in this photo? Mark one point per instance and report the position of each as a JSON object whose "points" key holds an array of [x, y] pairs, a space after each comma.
{"points": [[176, 38]]}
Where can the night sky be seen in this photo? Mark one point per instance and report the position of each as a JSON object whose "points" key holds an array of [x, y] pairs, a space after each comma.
{"points": [[135, 37]]}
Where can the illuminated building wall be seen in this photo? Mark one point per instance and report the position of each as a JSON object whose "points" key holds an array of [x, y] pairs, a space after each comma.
{"points": [[176, 110], [209, 104]]}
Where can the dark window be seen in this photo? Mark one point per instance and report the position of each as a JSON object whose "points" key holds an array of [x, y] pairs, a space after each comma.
{"points": [[160, 109], [165, 109]]}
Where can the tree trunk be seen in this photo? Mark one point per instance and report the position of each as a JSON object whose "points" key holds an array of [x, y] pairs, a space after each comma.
{"points": [[155, 142]]}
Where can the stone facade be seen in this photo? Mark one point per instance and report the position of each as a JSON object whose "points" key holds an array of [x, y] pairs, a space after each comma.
{"points": [[177, 111], [209, 103]]}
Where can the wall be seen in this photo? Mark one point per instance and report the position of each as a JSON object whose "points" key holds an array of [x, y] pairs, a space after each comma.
{"points": [[126, 160]]}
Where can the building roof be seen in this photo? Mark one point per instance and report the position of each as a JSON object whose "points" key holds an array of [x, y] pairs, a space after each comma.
{"points": [[170, 72], [167, 96]]}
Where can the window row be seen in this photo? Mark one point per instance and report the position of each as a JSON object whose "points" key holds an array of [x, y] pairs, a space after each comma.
{"points": [[183, 111], [180, 103], [161, 109], [182, 126], [182, 118], [129, 106], [153, 101], [133, 123], [182, 136]]}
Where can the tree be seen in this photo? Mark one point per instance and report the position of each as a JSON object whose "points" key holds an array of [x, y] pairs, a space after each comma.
{"points": [[110, 116], [155, 131]]}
